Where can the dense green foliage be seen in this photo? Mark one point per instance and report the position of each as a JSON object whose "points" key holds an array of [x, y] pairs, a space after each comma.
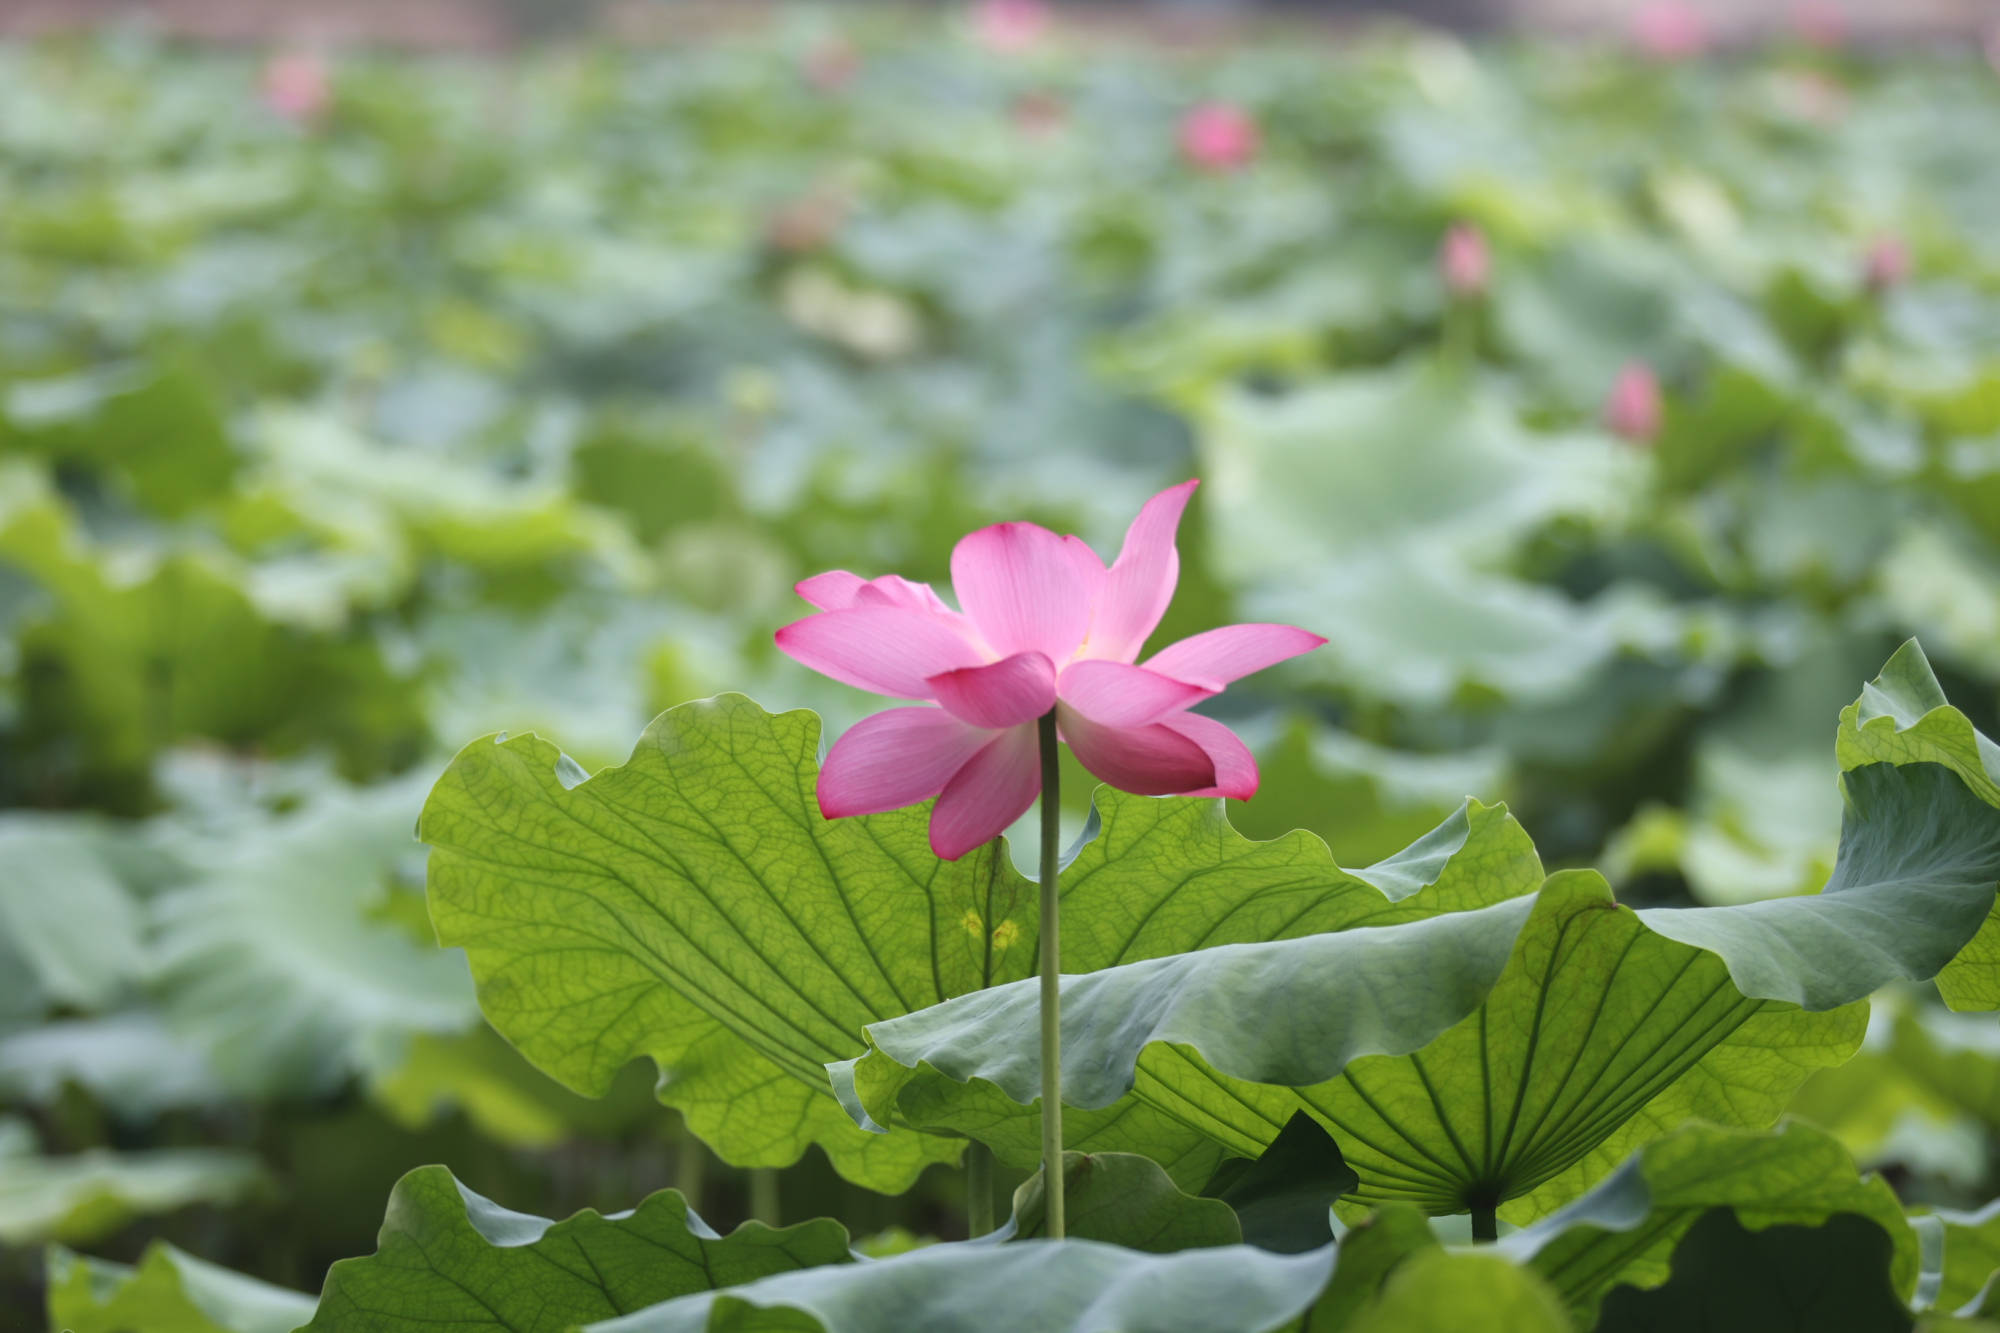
{"points": [[511, 396]]}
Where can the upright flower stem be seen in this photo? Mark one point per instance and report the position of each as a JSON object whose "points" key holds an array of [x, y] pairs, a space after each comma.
{"points": [[1052, 1134], [978, 1189]]}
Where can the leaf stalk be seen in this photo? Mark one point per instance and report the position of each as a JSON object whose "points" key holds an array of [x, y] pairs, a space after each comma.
{"points": [[1051, 970]]}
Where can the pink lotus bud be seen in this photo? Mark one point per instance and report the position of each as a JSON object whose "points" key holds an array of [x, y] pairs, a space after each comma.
{"points": [[1887, 263], [1008, 26], [1633, 408], [296, 85], [1217, 136], [1820, 23], [1464, 260], [831, 65], [1670, 30]]}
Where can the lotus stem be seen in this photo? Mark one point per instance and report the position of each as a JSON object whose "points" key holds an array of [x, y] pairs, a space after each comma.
{"points": [[1051, 951], [978, 1189]]}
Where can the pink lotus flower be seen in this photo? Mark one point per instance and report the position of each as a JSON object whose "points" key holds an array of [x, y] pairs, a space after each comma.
{"points": [[1010, 25], [1045, 625], [1217, 136], [1633, 408], [1819, 23], [1464, 261], [830, 65], [296, 85], [1887, 263], [1670, 30]]}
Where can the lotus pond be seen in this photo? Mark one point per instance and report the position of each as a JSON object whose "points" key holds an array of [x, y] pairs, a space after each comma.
{"points": [[419, 905]]}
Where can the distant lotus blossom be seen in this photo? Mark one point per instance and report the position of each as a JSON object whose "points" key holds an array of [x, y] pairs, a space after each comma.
{"points": [[1633, 407], [297, 85], [1819, 23], [831, 64], [1039, 114], [1670, 30], [1812, 96], [1219, 136], [1464, 260], [1044, 626], [1010, 25], [1887, 263]]}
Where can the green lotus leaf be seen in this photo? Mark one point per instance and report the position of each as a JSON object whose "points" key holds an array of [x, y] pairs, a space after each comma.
{"points": [[1441, 1291], [1961, 1252], [1902, 717], [168, 1292], [1623, 1232], [1062, 1286], [693, 906], [447, 1257], [1284, 1199], [1541, 1047], [78, 1197], [1729, 1278], [1125, 1199], [64, 911], [1372, 1248]]}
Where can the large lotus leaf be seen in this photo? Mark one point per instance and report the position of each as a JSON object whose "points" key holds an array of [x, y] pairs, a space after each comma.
{"points": [[276, 956], [82, 1196], [1440, 1291], [64, 911], [135, 649], [159, 430], [168, 1292], [1161, 1028], [1606, 1026], [1284, 1199], [1951, 1058], [129, 1061], [1902, 717], [1372, 1248], [1062, 1286], [1414, 455], [601, 915], [1418, 626], [1961, 1254], [447, 1256], [692, 905], [1624, 1230], [1125, 1199], [1787, 1278]]}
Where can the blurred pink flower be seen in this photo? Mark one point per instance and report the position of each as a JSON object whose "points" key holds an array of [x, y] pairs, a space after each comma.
{"points": [[297, 85], [1811, 96], [1010, 25], [1039, 114], [1464, 260], [1044, 626], [1887, 263], [1670, 29], [1219, 136], [831, 64], [1633, 407], [1819, 22]]}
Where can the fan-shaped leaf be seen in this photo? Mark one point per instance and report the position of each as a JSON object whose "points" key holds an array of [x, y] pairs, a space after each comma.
{"points": [[1063, 1286], [1606, 1025], [692, 905], [1624, 1230], [448, 1257]]}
